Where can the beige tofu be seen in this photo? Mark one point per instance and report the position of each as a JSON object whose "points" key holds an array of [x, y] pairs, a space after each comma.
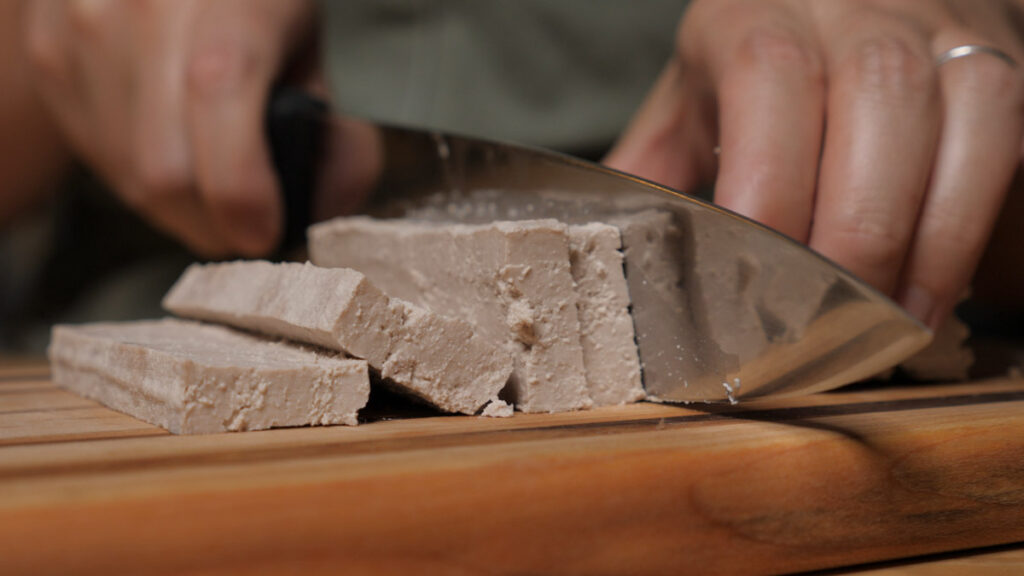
{"points": [[440, 360], [948, 357], [606, 327], [658, 257], [192, 378], [713, 306], [512, 280]]}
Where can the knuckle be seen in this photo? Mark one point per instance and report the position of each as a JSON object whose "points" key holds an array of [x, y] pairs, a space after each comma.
{"points": [[952, 235], [146, 7], [869, 243], [88, 17], [220, 66], [776, 49], [891, 66], [937, 277], [248, 216], [953, 249], [45, 52], [201, 241], [161, 177], [237, 199]]}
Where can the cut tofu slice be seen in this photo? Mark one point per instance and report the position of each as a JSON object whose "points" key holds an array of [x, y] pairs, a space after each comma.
{"points": [[512, 280], [658, 255], [437, 359], [947, 358], [192, 378], [606, 327], [711, 308]]}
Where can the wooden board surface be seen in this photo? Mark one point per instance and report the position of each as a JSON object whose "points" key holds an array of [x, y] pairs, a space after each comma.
{"points": [[830, 480], [1000, 561]]}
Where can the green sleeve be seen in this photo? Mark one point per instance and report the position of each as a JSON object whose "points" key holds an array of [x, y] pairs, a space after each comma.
{"points": [[564, 74]]}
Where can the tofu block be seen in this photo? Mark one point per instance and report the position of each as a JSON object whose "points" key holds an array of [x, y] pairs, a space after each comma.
{"points": [[708, 304], [606, 327], [192, 378], [947, 358], [512, 280], [437, 359], [658, 258]]}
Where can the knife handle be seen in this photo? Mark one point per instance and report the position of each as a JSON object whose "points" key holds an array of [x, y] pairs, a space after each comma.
{"points": [[295, 130]]}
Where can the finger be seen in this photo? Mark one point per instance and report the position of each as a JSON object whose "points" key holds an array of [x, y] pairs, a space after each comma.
{"points": [[977, 157], [353, 163], [45, 33], [883, 124], [232, 65], [670, 139], [54, 71], [99, 31], [771, 91], [164, 187], [134, 106]]}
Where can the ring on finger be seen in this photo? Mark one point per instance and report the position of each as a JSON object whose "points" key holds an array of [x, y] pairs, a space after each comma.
{"points": [[966, 50]]}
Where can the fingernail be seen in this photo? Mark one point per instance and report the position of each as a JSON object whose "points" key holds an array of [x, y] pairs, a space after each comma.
{"points": [[919, 303]]}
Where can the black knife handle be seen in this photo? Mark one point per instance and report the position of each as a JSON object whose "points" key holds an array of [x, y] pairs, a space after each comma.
{"points": [[295, 130]]}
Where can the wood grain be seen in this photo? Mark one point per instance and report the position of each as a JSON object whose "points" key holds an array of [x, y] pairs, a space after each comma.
{"points": [[1003, 561], [23, 368], [828, 480], [39, 398]]}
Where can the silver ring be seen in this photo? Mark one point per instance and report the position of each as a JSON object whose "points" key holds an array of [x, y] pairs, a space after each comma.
{"points": [[971, 49]]}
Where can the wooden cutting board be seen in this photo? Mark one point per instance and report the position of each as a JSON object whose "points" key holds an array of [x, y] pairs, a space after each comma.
{"points": [[830, 480]]}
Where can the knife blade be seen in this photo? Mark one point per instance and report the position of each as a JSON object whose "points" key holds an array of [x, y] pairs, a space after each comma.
{"points": [[723, 307]]}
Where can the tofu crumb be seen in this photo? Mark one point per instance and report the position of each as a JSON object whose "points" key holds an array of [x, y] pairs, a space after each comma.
{"points": [[498, 409], [729, 392]]}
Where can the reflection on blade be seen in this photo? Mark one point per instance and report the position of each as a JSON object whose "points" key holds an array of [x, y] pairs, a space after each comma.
{"points": [[724, 308]]}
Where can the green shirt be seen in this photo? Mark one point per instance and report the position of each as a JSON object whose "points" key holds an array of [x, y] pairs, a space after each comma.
{"points": [[563, 74]]}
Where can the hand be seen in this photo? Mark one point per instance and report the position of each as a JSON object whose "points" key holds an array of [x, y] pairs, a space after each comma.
{"points": [[165, 99], [33, 157], [837, 128]]}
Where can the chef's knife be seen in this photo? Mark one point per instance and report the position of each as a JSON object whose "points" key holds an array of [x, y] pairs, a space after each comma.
{"points": [[724, 308]]}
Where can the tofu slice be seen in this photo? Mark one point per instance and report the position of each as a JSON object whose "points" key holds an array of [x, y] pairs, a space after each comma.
{"points": [[658, 256], [948, 357], [512, 280], [606, 327], [192, 378], [710, 307], [437, 359]]}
